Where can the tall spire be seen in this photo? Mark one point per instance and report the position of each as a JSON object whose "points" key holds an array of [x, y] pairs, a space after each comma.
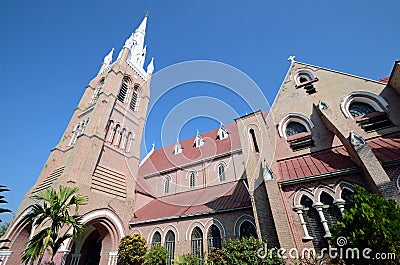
{"points": [[142, 26], [137, 48]]}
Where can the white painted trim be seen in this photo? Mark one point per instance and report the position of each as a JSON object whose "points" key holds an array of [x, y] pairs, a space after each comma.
{"points": [[299, 72], [17, 222], [190, 228], [398, 182], [365, 97], [242, 218], [217, 223], [173, 229], [152, 232], [96, 214], [294, 117], [299, 194]]}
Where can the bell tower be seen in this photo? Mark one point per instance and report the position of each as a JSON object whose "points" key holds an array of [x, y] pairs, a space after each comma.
{"points": [[99, 153]]}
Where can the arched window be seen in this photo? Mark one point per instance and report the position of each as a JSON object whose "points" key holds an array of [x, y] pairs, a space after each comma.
{"points": [[313, 223], [331, 211], [247, 229], [121, 138], [117, 134], [166, 185], [123, 91], [129, 142], [192, 179], [95, 96], [170, 246], [213, 238], [197, 242], [357, 109], [294, 128], [156, 240], [347, 196], [254, 139], [221, 172], [134, 98], [398, 182]]}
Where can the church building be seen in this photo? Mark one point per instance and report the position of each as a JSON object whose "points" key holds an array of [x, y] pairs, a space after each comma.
{"points": [[286, 173]]}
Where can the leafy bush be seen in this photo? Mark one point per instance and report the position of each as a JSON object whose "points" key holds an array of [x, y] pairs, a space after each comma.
{"points": [[373, 223], [157, 255], [132, 250], [188, 259], [242, 251]]}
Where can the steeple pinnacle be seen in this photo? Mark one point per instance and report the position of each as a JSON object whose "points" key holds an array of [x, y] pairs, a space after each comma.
{"points": [[142, 26]]}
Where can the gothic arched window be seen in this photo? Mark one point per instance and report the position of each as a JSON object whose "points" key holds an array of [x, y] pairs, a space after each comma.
{"points": [[192, 179], [197, 242], [166, 185], [347, 195], [213, 237], [123, 91], [170, 246], [313, 223], [294, 128], [134, 98], [357, 109], [331, 211], [221, 172], [254, 139], [247, 229], [156, 240]]}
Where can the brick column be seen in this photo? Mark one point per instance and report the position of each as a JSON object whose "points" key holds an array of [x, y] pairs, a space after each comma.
{"points": [[360, 153]]}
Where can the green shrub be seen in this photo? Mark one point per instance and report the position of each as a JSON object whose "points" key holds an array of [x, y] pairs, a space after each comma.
{"points": [[188, 259], [132, 250], [372, 222], [157, 255], [242, 251]]}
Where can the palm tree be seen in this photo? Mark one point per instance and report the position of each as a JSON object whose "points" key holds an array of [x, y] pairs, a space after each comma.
{"points": [[52, 214], [3, 227]]}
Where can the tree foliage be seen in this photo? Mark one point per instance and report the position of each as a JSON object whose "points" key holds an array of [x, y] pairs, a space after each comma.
{"points": [[189, 259], [53, 213], [157, 255], [243, 251], [132, 250], [3, 227], [373, 223]]}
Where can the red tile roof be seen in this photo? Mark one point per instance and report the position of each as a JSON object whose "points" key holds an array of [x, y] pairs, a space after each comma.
{"points": [[164, 158], [227, 196], [315, 163], [384, 79], [386, 148]]}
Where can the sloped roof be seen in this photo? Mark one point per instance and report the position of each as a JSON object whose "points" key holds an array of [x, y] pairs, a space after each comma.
{"points": [[386, 148], [164, 158], [223, 197], [384, 79], [315, 163]]}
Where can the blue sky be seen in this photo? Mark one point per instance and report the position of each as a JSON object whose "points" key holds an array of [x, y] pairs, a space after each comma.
{"points": [[50, 50]]}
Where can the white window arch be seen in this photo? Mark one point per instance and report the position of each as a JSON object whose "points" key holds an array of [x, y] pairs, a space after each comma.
{"points": [[303, 76], [294, 117], [375, 101], [398, 182], [221, 172], [167, 183]]}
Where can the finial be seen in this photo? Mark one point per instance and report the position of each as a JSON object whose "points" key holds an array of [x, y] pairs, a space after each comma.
{"points": [[150, 67], [291, 58], [108, 58], [147, 14], [129, 42], [152, 146]]}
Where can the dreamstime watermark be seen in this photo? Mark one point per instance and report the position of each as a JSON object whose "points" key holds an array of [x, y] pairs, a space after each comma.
{"points": [[331, 252]]}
